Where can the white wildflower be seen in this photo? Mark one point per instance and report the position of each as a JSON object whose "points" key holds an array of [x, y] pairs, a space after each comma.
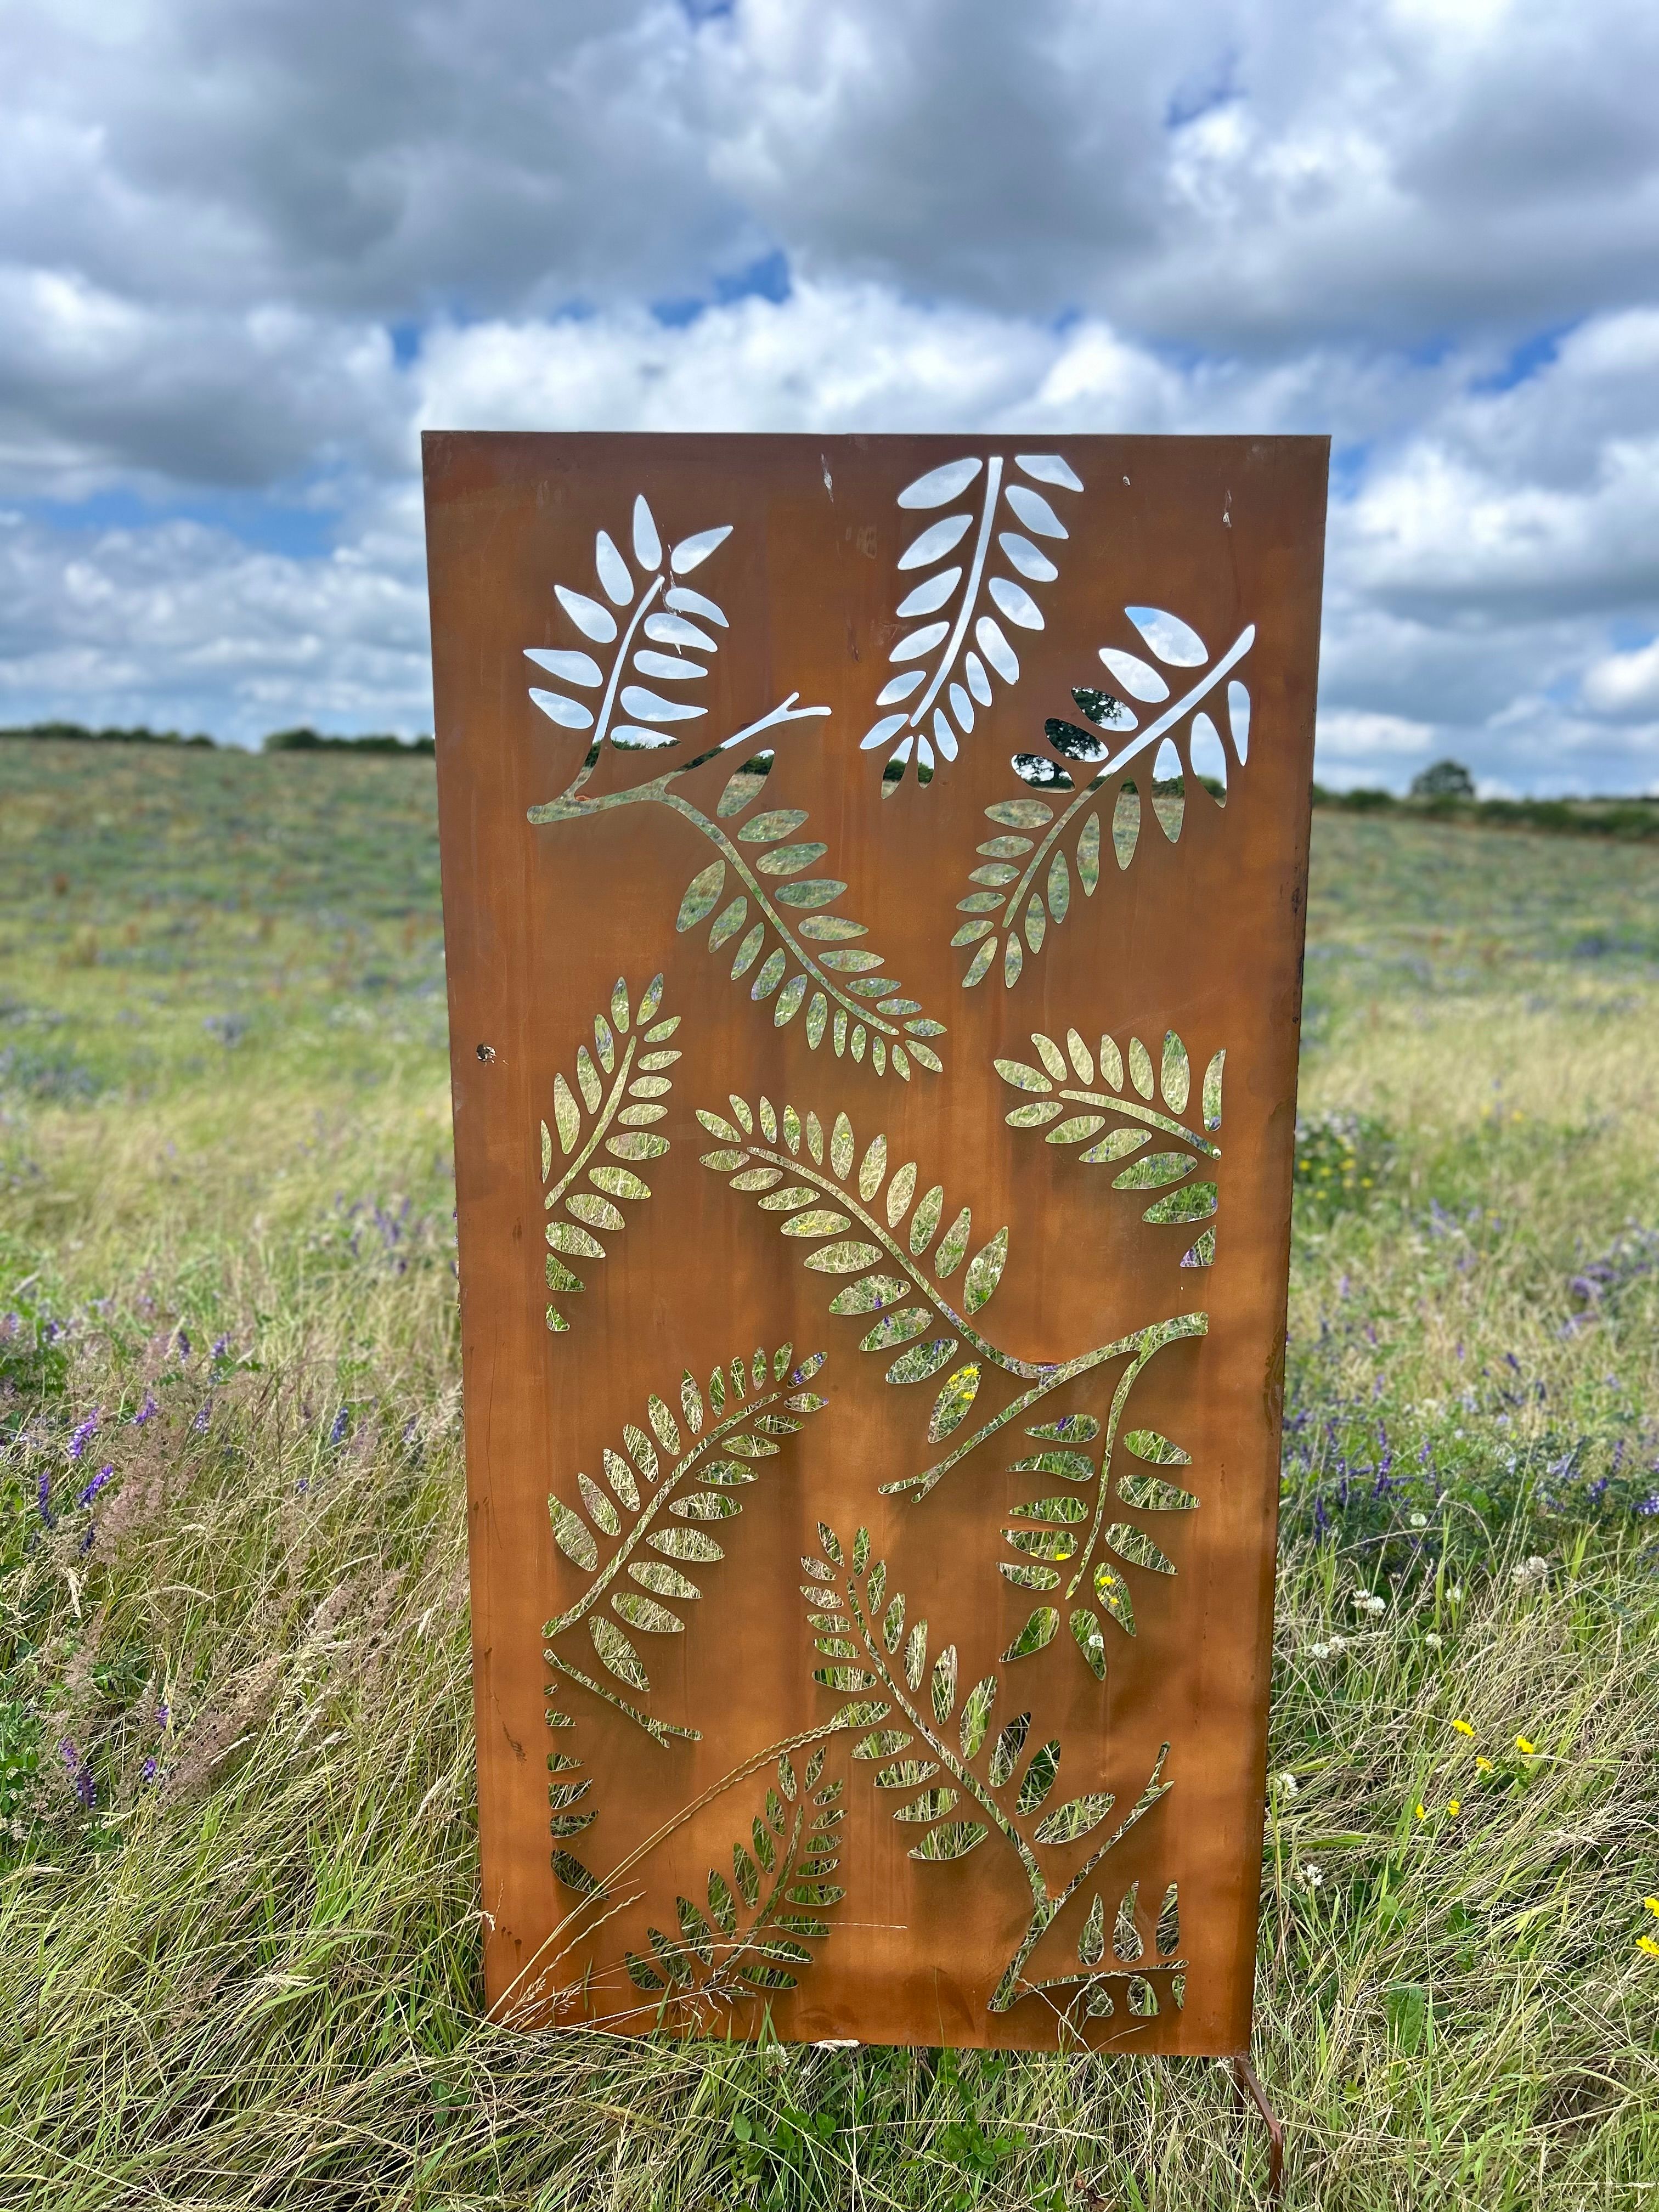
{"points": [[1432, 1641], [1420, 1520], [1285, 1783], [1311, 1876]]}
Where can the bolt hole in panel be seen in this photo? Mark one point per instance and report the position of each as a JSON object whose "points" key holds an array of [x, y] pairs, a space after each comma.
{"points": [[877, 866]]}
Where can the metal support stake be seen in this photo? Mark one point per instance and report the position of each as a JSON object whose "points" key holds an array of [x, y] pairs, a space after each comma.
{"points": [[1245, 2081]]}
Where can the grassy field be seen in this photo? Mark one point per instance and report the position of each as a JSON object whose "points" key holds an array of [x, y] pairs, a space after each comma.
{"points": [[239, 1910]]}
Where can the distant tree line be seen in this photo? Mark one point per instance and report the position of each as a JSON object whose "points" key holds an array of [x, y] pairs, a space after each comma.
{"points": [[77, 734], [1445, 793], [313, 741], [279, 741], [1442, 793]]}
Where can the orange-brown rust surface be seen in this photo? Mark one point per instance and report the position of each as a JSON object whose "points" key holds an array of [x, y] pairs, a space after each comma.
{"points": [[643, 1859]]}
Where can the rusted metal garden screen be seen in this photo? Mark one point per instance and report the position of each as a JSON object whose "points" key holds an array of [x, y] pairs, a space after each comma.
{"points": [[873, 881]]}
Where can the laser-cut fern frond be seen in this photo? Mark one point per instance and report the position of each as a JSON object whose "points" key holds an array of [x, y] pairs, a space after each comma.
{"points": [[1151, 1106], [794, 1183], [778, 912], [1023, 884], [614, 1096], [617, 1536], [972, 1785], [928, 721], [653, 604], [752, 1936], [785, 1161], [802, 957], [1053, 1545]]}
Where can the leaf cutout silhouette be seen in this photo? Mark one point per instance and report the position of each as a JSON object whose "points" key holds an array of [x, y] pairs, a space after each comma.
{"points": [[643, 593], [620, 1085], [974, 1789], [1064, 1538], [955, 643], [607, 1543], [1175, 643], [1087, 1636], [1036, 1635], [1208, 756], [1058, 1098], [1086, 767], [786, 1182], [1076, 1818], [786, 938], [691, 552], [954, 1402], [754, 1937]]}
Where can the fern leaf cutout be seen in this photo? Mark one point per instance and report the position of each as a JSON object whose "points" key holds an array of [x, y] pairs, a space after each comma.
{"points": [[959, 1780], [1046, 850], [768, 912], [1068, 1549], [651, 630], [751, 1933], [958, 589], [643, 1537], [1115, 1105], [598, 1134], [631, 668]]}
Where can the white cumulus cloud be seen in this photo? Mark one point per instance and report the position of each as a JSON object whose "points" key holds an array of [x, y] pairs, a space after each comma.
{"points": [[247, 252]]}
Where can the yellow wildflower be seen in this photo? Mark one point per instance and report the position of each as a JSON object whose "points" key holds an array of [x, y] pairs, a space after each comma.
{"points": [[1646, 1943], [1455, 1807], [1527, 1750], [1482, 1763], [1464, 1728], [1422, 1813], [1652, 1904]]}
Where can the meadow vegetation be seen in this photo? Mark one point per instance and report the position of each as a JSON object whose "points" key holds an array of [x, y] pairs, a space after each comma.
{"points": [[240, 1929]]}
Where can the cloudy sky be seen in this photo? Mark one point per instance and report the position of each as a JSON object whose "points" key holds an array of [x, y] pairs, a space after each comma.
{"points": [[249, 247]]}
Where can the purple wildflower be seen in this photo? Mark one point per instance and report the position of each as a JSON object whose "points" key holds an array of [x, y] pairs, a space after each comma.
{"points": [[81, 1436], [205, 1415], [45, 1501], [104, 1474], [147, 1412], [342, 1427], [181, 1344], [80, 1772]]}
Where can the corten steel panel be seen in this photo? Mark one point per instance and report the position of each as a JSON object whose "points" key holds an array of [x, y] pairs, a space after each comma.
{"points": [[645, 1656]]}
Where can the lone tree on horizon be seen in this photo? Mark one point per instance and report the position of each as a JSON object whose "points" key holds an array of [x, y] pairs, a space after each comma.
{"points": [[1446, 779]]}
